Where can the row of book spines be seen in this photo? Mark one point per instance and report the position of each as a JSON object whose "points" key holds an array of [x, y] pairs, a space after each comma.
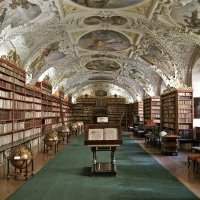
{"points": [[10, 104], [26, 116], [10, 72], [29, 124], [24, 97], [179, 115], [180, 126], [180, 110], [180, 120], [12, 67], [9, 139], [180, 102], [12, 80], [49, 99]]}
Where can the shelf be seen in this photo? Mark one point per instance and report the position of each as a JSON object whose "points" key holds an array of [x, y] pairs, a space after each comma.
{"points": [[25, 96], [179, 109]]}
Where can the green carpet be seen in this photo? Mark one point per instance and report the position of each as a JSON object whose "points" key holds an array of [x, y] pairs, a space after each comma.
{"points": [[139, 177]]}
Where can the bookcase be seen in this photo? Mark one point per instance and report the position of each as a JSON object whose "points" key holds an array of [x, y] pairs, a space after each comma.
{"points": [[138, 110], [177, 112], [86, 100], [83, 112], [12, 88], [26, 112], [118, 113], [151, 107], [115, 109]]}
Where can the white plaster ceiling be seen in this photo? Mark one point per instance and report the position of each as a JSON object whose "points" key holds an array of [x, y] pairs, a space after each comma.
{"points": [[151, 41]]}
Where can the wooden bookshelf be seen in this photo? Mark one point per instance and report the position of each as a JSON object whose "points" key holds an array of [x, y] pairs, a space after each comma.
{"points": [[27, 111], [45, 86], [83, 112], [86, 100], [177, 112], [138, 110], [118, 113], [12, 83], [88, 109], [151, 106]]}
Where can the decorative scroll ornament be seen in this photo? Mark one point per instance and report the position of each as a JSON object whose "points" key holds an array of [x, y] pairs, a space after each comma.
{"points": [[13, 57]]}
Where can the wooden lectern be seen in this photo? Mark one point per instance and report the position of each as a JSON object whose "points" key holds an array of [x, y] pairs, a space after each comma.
{"points": [[102, 137]]}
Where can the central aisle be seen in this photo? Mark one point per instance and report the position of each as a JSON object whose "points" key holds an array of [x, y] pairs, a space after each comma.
{"points": [[139, 177]]}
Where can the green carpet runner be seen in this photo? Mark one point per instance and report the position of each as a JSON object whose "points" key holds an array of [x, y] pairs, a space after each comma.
{"points": [[66, 178]]}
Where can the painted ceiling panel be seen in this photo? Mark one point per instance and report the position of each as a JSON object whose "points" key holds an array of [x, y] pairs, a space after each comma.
{"points": [[83, 42], [104, 40], [107, 3]]}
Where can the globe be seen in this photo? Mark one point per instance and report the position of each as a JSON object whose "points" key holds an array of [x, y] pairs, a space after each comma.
{"points": [[63, 131], [51, 138], [21, 156]]}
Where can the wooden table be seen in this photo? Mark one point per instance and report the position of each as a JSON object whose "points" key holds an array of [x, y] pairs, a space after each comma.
{"points": [[104, 168]]}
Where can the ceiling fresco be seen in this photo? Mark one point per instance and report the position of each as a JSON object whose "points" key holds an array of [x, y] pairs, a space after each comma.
{"points": [[18, 13], [188, 15], [113, 20], [107, 3], [104, 40], [102, 65], [103, 56], [101, 78], [137, 45], [45, 56]]}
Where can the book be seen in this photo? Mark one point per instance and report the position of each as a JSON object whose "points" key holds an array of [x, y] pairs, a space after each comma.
{"points": [[103, 134]]}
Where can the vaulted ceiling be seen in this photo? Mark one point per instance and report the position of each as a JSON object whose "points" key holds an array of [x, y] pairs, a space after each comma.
{"points": [[140, 46]]}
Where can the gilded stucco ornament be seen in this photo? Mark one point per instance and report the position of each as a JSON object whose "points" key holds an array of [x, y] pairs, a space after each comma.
{"points": [[160, 46], [13, 57]]}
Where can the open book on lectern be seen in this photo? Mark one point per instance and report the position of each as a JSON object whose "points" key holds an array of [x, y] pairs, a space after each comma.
{"points": [[103, 134]]}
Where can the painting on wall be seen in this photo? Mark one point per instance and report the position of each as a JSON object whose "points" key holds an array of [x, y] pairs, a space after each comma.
{"points": [[114, 20], [104, 40], [103, 65], [107, 3]]}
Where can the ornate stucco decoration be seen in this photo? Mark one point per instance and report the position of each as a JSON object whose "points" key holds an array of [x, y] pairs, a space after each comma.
{"points": [[13, 57], [162, 35]]}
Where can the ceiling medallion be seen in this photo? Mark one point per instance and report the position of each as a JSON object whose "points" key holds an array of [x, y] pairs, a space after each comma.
{"points": [[102, 65], [107, 3], [104, 40], [114, 20]]}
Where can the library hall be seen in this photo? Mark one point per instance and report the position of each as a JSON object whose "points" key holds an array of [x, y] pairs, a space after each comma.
{"points": [[99, 99]]}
